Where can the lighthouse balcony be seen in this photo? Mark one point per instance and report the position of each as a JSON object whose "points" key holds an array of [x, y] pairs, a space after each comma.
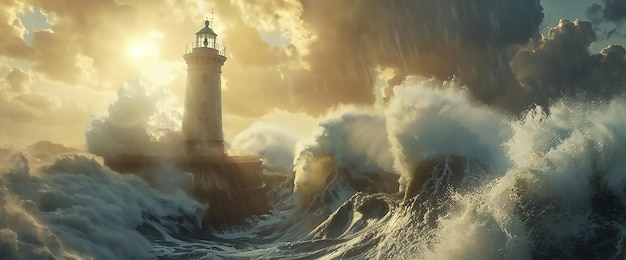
{"points": [[221, 50]]}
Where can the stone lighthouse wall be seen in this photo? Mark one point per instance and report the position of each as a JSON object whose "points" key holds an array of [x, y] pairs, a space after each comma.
{"points": [[202, 121]]}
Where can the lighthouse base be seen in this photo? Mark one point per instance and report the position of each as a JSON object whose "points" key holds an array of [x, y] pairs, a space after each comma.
{"points": [[231, 185]]}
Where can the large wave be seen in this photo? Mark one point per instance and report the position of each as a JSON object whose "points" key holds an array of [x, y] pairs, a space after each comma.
{"points": [[141, 121], [71, 207], [545, 185], [433, 175], [548, 184]]}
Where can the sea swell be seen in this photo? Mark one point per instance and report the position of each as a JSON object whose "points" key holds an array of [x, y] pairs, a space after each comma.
{"points": [[74, 208], [433, 176]]}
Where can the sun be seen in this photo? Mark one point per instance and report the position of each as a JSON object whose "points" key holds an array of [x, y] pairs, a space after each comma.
{"points": [[143, 50], [145, 46], [137, 51]]}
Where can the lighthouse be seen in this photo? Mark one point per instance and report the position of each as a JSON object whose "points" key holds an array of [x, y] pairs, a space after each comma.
{"points": [[232, 186], [202, 120]]}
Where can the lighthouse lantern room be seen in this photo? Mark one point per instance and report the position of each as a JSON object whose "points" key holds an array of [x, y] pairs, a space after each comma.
{"points": [[206, 37]]}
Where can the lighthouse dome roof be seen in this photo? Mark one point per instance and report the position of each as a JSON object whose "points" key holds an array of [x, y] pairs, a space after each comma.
{"points": [[206, 29]]}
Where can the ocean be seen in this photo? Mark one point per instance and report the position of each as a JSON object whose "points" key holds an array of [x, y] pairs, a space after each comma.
{"points": [[430, 175]]}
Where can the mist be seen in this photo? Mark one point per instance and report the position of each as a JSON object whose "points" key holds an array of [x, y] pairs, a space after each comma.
{"points": [[142, 121]]}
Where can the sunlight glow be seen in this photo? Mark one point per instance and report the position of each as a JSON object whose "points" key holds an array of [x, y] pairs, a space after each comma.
{"points": [[146, 47], [143, 53]]}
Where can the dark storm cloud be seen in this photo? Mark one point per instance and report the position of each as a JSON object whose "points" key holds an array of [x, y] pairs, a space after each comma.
{"points": [[561, 64], [430, 38], [492, 47], [615, 10], [610, 10], [348, 43]]}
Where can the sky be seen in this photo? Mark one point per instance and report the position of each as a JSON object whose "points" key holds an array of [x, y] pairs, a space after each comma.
{"points": [[63, 62]]}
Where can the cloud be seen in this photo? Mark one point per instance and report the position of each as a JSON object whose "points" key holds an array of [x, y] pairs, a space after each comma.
{"points": [[18, 81], [79, 59], [561, 64], [333, 50], [98, 31], [30, 116], [329, 53], [304, 56], [11, 29], [611, 10], [16, 101], [614, 10], [428, 38]]}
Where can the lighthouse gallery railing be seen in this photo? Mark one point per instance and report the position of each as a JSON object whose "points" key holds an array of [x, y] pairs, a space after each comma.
{"points": [[216, 46]]}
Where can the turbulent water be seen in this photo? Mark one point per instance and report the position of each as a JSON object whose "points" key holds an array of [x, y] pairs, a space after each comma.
{"points": [[431, 176]]}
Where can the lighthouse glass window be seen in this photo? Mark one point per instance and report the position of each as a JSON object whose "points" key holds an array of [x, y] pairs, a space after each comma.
{"points": [[205, 40], [211, 42]]}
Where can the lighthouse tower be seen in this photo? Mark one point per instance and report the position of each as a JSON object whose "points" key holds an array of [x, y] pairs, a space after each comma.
{"points": [[232, 185], [202, 120]]}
